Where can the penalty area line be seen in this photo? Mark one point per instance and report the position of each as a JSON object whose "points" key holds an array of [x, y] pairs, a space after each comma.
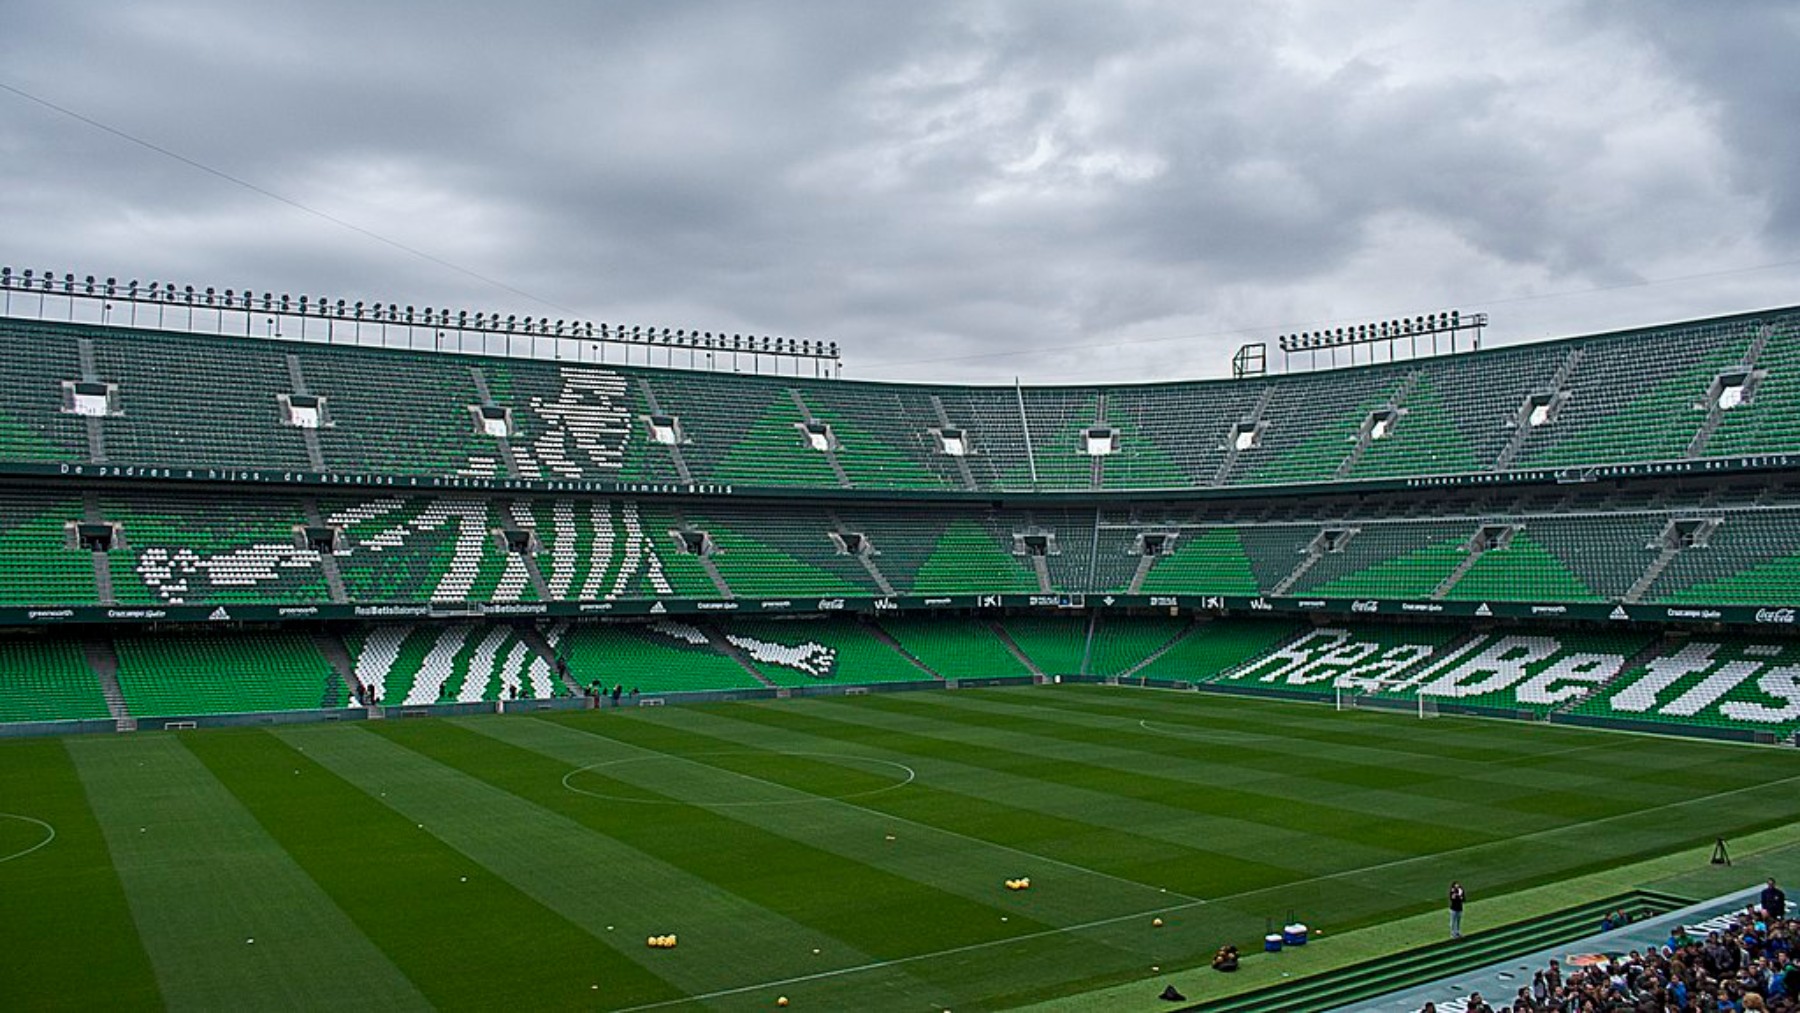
{"points": [[880, 964]]}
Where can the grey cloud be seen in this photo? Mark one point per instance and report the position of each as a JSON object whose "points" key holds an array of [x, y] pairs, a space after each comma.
{"points": [[915, 181]]}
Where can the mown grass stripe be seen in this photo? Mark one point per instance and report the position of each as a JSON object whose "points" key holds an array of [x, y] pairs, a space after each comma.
{"points": [[204, 879], [1450, 739], [474, 943], [1601, 768], [1596, 778], [772, 855], [1365, 795], [1169, 847], [1214, 789], [506, 809], [67, 940], [1359, 894], [1064, 925]]}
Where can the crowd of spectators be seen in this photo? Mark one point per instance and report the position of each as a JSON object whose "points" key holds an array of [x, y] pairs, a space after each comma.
{"points": [[1746, 965]]}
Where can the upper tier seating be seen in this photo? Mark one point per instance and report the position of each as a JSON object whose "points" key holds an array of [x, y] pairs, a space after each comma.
{"points": [[190, 400]]}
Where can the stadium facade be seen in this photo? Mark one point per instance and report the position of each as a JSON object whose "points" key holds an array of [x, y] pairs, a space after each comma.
{"points": [[1596, 529]]}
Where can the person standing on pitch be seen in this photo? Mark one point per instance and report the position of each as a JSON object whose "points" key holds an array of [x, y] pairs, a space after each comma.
{"points": [[1456, 908]]}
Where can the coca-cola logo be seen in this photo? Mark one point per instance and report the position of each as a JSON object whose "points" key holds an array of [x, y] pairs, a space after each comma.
{"points": [[1785, 616]]}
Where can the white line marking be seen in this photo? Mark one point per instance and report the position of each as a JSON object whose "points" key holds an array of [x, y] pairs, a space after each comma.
{"points": [[878, 965], [1186, 902], [902, 819], [1224, 737], [50, 835]]}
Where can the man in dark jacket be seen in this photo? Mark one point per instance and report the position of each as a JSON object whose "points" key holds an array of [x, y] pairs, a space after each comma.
{"points": [[1774, 902]]}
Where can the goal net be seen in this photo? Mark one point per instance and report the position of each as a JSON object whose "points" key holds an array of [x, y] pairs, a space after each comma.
{"points": [[1385, 694]]}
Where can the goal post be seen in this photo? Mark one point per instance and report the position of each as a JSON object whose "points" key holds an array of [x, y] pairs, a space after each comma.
{"points": [[1384, 694]]}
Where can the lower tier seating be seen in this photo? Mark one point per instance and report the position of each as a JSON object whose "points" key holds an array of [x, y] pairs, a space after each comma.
{"points": [[954, 647], [666, 656], [813, 649], [221, 673], [1733, 683], [457, 662], [47, 680]]}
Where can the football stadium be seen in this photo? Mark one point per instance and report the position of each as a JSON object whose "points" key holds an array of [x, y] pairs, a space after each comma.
{"points": [[672, 671]]}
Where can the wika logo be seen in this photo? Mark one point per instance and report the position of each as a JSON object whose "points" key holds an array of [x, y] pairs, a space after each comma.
{"points": [[1784, 615], [886, 605], [1261, 605]]}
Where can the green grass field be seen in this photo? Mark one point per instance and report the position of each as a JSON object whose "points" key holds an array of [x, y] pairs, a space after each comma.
{"points": [[848, 853]]}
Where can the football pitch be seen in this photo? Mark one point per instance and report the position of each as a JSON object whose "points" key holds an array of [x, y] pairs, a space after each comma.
{"points": [[846, 852]]}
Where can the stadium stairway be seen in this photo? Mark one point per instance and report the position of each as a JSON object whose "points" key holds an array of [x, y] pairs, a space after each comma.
{"points": [[1378, 977], [1011, 646], [104, 660], [874, 629], [1156, 655], [534, 638], [339, 656], [721, 643], [1655, 648]]}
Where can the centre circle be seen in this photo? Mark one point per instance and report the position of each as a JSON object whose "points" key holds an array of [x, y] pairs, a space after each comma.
{"points": [[904, 777], [48, 831]]}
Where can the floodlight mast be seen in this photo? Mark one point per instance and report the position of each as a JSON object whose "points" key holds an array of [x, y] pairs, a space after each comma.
{"points": [[1250, 360], [407, 327], [1449, 325]]}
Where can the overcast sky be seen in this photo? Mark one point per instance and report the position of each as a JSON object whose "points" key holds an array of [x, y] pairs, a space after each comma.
{"points": [[952, 191]]}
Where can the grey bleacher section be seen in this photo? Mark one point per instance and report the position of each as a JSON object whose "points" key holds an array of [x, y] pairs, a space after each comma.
{"points": [[830, 452], [502, 444], [944, 421], [211, 410], [674, 451], [1637, 401], [90, 373], [309, 438], [1228, 458]]}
